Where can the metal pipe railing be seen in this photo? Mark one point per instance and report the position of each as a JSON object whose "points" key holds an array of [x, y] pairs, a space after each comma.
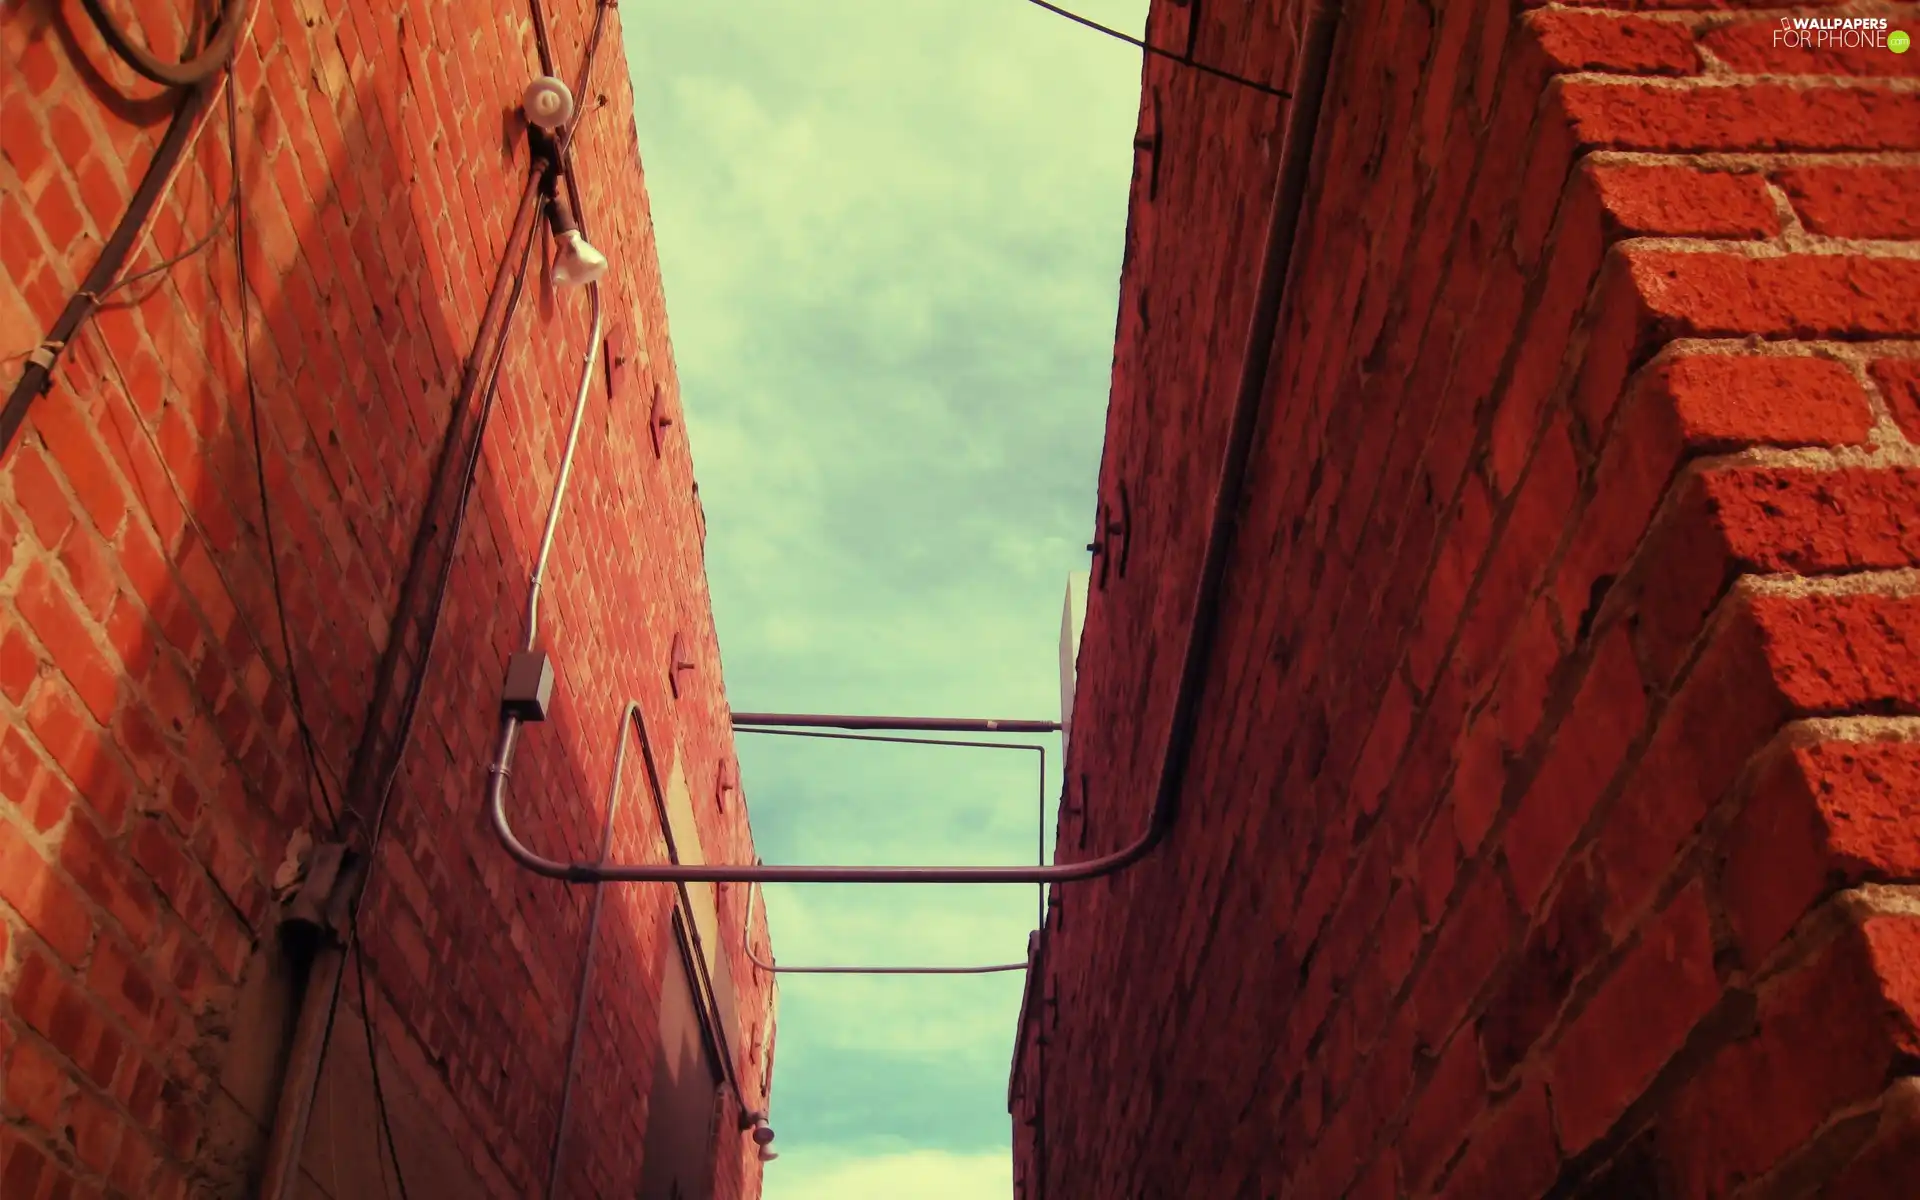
{"points": [[746, 926], [905, 724], [1203, 628]]}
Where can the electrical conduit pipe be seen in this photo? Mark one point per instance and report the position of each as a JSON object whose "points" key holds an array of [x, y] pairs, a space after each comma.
{"points": [[1275, 265]]}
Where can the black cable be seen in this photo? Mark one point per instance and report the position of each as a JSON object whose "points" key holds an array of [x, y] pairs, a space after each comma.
{"points": [[373, 1058], [356, 942], [201, 67], [1185, 60], [307, 740], [207, 239], [33, 382]]}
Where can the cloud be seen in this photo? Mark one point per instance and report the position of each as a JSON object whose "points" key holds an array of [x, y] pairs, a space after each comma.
{"points": [[922, 1174], [891, 238]]}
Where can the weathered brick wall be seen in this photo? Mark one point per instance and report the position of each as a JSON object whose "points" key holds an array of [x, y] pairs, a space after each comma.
{"points": [[149, 762], [1555, 811]]}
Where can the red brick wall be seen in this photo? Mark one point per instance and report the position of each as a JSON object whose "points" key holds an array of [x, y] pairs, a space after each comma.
{"points": [[149, 767], [1555, 811]]}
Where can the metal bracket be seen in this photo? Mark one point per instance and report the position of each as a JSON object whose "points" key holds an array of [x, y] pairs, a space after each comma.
{"points": [[1193, 26], [1080, 811], [1149, 142], [616, 362], [723, 783], [316, 908], [658, 422], [678, 662], [1113, 522]]}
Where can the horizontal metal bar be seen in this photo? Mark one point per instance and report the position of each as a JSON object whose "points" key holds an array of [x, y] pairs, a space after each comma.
{"points": [[897, 741], [746, 940], [921, 724], [586, 872]]}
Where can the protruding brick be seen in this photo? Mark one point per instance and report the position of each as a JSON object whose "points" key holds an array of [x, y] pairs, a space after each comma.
{"points": [[1755, 47], [1899, 380], [1684, 201], [1855, 201], [1741, 116], [1817, 818], [1797, 296], [1763, 1095], [1586, 41], [1727, 401]]}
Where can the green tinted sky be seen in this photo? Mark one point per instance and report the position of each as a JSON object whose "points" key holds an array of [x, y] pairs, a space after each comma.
{"points": [[891, 234]]}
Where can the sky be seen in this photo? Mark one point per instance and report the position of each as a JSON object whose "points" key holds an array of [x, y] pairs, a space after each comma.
{"points": [[891, 234]]}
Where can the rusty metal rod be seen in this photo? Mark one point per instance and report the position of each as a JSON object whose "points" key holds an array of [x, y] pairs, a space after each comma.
{"points": [[746, 928]]}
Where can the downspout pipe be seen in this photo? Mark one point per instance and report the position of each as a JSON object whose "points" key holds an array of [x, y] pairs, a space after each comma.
{"points": [[1276, 264], [1283, 227]]}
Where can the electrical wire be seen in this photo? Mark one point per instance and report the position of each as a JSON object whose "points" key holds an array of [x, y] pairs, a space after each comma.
{"points": [[80, 306], [187, 73], [373, 1059], [316, 787], [207, 239], [98, 300], [195, 104], [1185, 60], [314, 779]]}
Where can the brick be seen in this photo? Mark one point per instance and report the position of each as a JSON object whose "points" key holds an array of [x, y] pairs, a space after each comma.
{"points": [[1740, 116], [1854, 201], [39, 495], [1817, 818], [1588, 41], [1525, 546], [19, 664], [47, 903], [51, 613], [1899, 382], [60, 219], [1725, 402], [1798, 296], [70, 437], [1885, 1168], [1843, 652], [1514, 1154], [1728, 707], [1753, 47], [1685, 201], [1568, 939], [36, 1087], [1471, 942], [1635, 1023], [1763, 1095], [1452, 1098], [1588, 749], [1781, 520]]}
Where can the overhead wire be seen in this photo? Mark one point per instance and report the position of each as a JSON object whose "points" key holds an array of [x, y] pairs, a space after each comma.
{"points": [[198, 82], [314, 779], [1185, 60], [212, 59]]}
